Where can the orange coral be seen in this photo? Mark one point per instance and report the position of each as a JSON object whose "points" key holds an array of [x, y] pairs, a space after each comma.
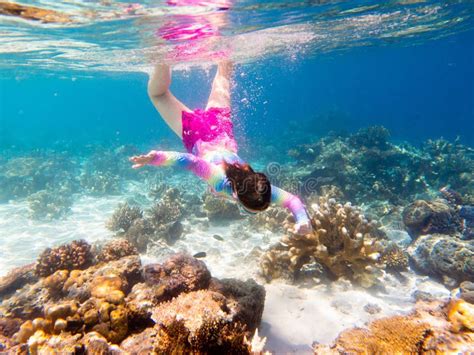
{"points": [[428, 329], [387, 335], [33, 13], [461, 315]]}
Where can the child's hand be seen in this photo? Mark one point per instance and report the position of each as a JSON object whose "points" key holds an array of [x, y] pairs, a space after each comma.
{"points": [[303, 228], [142, 160]]}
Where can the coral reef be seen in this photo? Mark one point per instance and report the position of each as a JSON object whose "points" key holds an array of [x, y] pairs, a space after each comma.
{"points": [[47, 204], [344, 242], [161, 221], [394, 258], [199, 321], [76, 255], [371, 137], [108, 307], [102, 172], [115, 250], [22, 176], [49, 178], [220, 209], [433, 327], [165, 216], [466, 289], [461, 315], [466, 213], [17, 278], [100, 184], [123, 217], [247, 299], [366, 166], [34, 13], [443, 256], [9, 326], [427, 217], [180, 273], [274, 219]]}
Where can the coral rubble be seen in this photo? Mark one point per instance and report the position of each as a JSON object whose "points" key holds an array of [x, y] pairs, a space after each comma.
{"points": [[344, 242]]}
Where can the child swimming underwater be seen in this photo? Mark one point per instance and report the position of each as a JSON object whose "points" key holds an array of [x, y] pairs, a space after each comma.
{"points": [[212, 150]]}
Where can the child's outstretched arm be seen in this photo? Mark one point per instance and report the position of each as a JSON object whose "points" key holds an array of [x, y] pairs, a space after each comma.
{"points": [[293, 203], [201, 168], [169, 107]]}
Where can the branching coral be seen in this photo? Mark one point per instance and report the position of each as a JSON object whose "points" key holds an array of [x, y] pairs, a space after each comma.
{"points": [[165, 216], [274, 219], [129, 223], [343, 241], [116, 249], [47, 204], [123, 217], [371, 137], [76, 255]]}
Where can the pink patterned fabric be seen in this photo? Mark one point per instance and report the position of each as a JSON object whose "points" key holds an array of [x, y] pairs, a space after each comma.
{"points": [[177, 31], [216, 3], [193, 37], [212, 125]]}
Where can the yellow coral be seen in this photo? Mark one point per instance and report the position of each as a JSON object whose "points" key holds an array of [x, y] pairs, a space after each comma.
{"points": [[461, 315], [109, 288], [429, 329], [343, 241], [388, 335]]}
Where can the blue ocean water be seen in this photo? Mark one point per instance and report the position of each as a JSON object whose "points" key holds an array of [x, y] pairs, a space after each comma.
{"points": [[418, 91], [418, 86], [314, 84]]}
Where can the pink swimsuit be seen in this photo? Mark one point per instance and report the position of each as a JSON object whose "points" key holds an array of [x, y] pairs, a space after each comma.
{"points": [[213, 126], [208, 138]]}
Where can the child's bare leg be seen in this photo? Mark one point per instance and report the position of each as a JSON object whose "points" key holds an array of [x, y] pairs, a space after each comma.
{"points": [[169, 107], [220, 92]]}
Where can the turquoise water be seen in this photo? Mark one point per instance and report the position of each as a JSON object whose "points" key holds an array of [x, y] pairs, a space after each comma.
{"points": [[310, 77]]}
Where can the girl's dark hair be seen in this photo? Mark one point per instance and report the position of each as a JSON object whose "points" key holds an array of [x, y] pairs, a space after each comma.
{"points": [[253, 189]]}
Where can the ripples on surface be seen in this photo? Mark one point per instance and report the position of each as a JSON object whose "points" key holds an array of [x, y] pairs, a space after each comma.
{"points": [[119, 36]]}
